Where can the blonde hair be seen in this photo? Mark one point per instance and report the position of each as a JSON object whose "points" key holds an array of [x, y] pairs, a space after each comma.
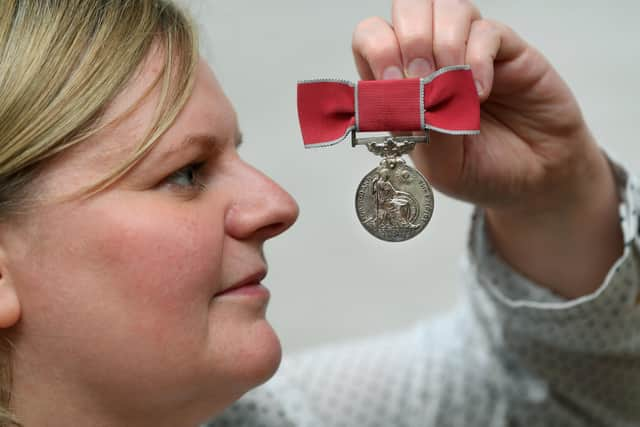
{"points": [[61, 64]]}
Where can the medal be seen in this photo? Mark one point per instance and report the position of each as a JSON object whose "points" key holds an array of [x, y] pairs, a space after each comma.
{"points": [[394, 202]]}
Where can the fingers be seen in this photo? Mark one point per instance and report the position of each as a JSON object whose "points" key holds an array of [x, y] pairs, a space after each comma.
{"points": [[452, 20], [482, 49], [376, 50], [412, 22], [425, 35], [490, 41]]}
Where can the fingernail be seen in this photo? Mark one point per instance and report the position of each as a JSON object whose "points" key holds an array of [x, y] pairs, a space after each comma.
{"points": [[479, 87], [392, 73], [420, 67]]}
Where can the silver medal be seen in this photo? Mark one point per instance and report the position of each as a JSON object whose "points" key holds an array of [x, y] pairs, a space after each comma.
{"points": [[394, 202]]}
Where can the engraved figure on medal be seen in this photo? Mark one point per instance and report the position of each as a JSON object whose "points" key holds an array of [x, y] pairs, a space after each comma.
{"points": [[394, 208], [394, 202]]}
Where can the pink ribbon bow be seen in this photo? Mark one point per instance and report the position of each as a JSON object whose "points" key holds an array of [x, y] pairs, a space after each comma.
{"points": [[445, 101]]}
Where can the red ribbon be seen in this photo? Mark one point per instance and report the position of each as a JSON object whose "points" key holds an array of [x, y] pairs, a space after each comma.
{"points": [[446, 101]]}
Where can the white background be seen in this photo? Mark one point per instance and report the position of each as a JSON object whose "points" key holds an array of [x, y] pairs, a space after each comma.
{"points": [[330, 280]]}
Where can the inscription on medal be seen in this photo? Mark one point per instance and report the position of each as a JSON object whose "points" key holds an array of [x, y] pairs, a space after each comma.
{"points": [[394, 202]]}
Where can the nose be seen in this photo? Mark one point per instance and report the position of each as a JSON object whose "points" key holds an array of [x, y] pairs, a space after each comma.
{"points": [[261, 208]]}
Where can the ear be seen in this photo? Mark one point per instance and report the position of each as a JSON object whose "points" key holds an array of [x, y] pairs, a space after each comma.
{"points": [[9, 302]]}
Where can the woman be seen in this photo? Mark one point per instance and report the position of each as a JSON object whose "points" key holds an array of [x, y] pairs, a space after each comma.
{"points": [[132, 232], [150, 282]]}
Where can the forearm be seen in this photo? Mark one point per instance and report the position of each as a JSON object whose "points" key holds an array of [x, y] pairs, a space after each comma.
{"points": [[568, 249]]}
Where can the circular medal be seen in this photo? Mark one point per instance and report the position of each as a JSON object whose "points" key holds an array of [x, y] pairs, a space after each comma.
{"points": [[394, 202]]}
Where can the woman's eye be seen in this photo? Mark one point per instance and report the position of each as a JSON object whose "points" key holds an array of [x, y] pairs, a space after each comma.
{"points": [[188, 177]]}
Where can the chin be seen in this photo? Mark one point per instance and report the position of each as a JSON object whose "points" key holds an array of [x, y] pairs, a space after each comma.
{"points": [[262, 355], [247, 357], [243, 362]]}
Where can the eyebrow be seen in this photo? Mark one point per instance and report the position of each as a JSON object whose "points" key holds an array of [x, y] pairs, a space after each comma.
{"points": [[210, 141]]}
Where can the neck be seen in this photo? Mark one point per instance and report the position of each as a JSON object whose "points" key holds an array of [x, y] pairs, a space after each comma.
{"points": [[52, 412], [54, 401]]}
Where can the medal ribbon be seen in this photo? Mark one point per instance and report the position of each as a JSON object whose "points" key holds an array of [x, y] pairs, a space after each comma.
{"points": [[445, 101]]}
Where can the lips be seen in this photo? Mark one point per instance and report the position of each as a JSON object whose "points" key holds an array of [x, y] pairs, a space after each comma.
{"points": [[251, 280]]}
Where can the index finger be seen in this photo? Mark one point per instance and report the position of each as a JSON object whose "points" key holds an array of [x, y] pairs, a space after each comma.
{"points": [[412, 22], [376, 51]]}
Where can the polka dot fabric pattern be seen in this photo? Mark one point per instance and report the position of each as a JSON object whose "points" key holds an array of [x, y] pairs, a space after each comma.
{"points": [[511, 354]]}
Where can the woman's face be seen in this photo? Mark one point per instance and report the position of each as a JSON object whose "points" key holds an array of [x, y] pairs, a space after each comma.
{"points": [[121, 294]]}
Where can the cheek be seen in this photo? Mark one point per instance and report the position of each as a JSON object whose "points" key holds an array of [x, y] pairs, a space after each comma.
{"points": [[162, 259], [159, 257], [136, 273]]}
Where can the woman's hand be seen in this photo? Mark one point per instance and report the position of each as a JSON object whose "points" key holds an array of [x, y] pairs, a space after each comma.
{"points": [[547, 189]]}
